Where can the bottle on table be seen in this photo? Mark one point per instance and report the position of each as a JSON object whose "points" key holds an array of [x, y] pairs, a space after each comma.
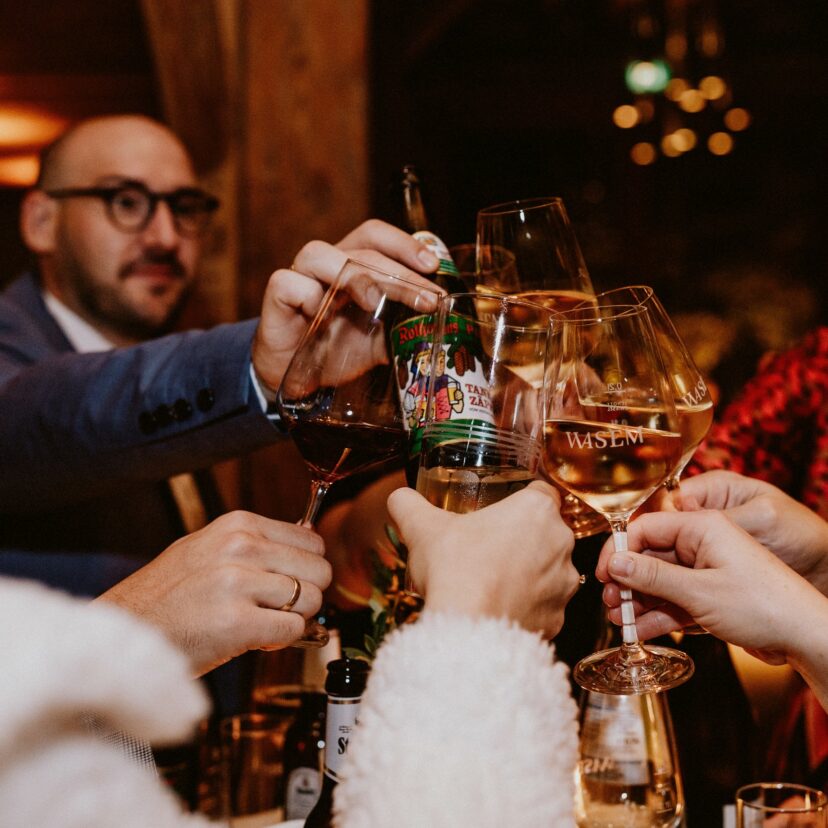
{"points": [[345, 684], [303, 752]]}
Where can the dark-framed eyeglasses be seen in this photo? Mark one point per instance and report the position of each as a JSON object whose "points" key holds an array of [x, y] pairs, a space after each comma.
{"points": [[131, 205]]}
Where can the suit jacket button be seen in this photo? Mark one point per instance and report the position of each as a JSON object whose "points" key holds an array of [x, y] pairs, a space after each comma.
{"points": [[182, 410], [146, 422], [205, 399], [163, 415]]}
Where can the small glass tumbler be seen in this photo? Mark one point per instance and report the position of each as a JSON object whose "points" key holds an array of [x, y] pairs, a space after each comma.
{"points": [[780, 805]]}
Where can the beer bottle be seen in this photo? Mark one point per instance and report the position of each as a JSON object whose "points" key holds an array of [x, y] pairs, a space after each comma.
{"points": [[345, 684], [304, 741], [411, 340]]}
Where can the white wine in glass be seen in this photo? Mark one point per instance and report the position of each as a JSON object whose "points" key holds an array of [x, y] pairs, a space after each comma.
{"points": [[527, 249], [611, 439], [694, 404]]}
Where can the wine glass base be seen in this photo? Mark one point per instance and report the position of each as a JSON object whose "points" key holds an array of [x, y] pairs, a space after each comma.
{"points": [[631, 671], [315, 635]]}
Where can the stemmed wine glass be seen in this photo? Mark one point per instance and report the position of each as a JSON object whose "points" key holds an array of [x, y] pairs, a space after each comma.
{"points": [[339, 397], [528, 249], [611, 438], [694, 405]]}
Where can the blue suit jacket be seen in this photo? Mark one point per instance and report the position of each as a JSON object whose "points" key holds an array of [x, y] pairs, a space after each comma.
{"points": [[87, 440]]}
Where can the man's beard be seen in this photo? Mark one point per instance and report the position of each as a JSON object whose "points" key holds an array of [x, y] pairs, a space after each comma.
{"points": [[105, 303]]}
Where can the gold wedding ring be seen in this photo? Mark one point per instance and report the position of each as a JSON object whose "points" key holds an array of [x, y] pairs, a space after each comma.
{"points": [[297, 591]]}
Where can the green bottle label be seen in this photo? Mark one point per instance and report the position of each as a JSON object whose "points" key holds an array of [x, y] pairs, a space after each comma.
{"points": [[460, 391]]}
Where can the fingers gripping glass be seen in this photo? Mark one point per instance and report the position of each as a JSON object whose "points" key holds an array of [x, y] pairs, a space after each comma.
{"points": [[131, 205]]}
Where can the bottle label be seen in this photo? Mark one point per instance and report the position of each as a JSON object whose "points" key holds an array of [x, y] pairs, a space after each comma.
{"points": [[340, 720], [613, 740], [302, 791], [460, 390], [438, 247]]}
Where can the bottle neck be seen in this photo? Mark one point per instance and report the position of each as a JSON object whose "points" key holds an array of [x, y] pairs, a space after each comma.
{"points": [[415, 214]]}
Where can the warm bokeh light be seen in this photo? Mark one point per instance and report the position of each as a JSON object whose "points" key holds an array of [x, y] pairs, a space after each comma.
{"points": [[18, 170], [684, 139], [691, 100], [643, 153], [625, 116], [712, 87], [737, 119], [669, 146], [27, 127], [675, 88], [720, 143]]}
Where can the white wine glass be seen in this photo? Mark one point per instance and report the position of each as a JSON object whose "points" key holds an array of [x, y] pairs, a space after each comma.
{"points": [[628, 768], [339, 397], [694, 404], [528, 249], [611, 438]]}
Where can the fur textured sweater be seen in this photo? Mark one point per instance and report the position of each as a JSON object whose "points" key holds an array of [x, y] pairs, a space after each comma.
{"points": [[465, 722]]}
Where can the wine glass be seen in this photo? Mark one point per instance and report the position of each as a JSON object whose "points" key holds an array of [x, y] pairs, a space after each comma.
{"points": [[481, 439], [528, 249], [339, 397], [694, 405], [611, 438], [628, 768]]}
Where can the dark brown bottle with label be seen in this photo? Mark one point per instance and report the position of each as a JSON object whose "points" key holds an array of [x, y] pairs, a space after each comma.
{"points": [[410, 339], [304, 746], [345, 684]]}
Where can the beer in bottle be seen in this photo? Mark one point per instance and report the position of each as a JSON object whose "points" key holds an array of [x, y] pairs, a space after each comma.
{"points": [[345, 684], [411, 340]]}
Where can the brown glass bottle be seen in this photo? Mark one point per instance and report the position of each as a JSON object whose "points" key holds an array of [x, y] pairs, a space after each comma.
{"points": [[345, 684], [409, 338]]}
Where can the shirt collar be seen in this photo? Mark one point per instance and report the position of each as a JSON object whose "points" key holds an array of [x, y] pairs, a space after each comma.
{"points": [[81, 335]]}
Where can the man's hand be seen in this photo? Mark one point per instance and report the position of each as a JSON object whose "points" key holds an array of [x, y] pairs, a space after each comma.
{"points": [[293, 296], [216, 593], [512, 559]]}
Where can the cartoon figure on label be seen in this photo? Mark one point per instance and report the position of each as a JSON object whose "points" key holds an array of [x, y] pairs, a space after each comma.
{"points": [[448, 395], [414, 399]]}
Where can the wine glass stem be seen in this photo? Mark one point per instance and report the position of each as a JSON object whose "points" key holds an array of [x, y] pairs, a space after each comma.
{"points": [[672, 483], [628, 629], [318, 490]]}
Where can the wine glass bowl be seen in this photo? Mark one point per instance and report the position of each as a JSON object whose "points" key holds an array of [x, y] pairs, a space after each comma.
{"points": [[611, 439], [527, 249], [339, 397], [694, 404]]}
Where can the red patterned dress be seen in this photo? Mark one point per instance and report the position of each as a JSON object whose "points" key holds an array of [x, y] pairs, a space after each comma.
{"points": [[777, 429]]}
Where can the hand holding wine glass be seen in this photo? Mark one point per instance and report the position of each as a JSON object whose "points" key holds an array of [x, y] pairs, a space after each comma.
{"points": [[611, 439], [339, 395]]}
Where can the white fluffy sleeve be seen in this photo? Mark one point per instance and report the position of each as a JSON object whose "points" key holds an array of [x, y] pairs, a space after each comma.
{"points": [[465, 722]]}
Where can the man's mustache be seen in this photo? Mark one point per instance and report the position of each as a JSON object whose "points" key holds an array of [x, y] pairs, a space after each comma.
{"points": [[169, 260]]}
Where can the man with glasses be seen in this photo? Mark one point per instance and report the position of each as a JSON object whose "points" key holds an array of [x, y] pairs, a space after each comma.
{"points": [[103, 412]]}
